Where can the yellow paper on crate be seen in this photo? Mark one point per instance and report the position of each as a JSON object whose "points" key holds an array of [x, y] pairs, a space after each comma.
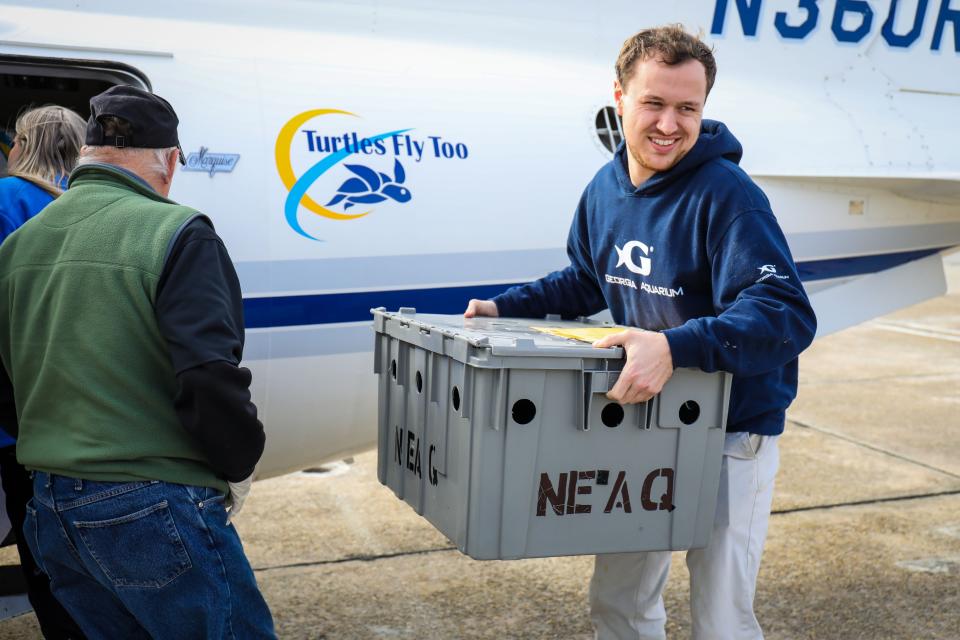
{"points": [[586, 334]]}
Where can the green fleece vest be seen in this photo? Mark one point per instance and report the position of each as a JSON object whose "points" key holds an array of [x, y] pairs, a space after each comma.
{"points": [[91, 373]]}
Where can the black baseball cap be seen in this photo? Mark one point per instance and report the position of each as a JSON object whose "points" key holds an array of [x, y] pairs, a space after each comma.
{"points": [[152, 120]]}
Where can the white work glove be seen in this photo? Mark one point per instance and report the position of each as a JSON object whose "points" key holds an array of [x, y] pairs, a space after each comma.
{"points": [[238, 493]]}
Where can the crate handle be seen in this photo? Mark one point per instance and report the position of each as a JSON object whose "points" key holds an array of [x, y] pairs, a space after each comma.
{"points": [[591, 383]]}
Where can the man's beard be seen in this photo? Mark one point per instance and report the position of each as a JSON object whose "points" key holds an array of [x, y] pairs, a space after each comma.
{"points": [[636, 156]]}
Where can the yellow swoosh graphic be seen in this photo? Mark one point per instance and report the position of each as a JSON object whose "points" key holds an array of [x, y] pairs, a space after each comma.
{"points": [[285, 168]]}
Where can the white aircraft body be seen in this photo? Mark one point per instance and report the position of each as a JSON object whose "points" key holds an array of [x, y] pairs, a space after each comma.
{"points": [[363, 154]]}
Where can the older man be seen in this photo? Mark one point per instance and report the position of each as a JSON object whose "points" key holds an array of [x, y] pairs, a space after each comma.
{"points": [[121, 330]]}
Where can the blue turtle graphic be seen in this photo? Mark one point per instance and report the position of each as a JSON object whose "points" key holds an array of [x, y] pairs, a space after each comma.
{"points": [[371, 187]]}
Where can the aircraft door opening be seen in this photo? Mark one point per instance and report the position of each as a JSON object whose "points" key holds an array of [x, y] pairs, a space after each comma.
{"points": [[27, 81]]}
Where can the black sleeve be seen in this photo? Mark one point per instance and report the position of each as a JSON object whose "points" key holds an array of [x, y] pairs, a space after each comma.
{"points": [[199, 310], [213, 404], [199, 305]]}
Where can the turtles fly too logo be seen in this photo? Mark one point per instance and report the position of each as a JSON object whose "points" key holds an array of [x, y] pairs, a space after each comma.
{"points": [[371, 187], [335, 172]]}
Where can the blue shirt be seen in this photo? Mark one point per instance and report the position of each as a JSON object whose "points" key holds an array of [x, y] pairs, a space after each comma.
{"points": [[20, 200], [694, 252]]}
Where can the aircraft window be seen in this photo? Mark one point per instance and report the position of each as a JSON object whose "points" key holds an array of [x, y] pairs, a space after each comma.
{"points": [[33, 81], [609, 129]]}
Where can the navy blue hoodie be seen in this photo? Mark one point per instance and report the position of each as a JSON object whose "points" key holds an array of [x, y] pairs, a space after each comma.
{"points": [[694, 252]]}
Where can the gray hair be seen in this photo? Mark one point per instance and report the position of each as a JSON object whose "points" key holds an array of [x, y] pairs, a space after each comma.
{"points": [[49, 140], [150, 161]]}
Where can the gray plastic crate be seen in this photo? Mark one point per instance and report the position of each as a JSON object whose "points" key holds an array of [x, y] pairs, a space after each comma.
{"points": [[502, 437]]}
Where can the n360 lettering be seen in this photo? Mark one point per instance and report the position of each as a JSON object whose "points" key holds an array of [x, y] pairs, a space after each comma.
{"points": [[852, 20]]}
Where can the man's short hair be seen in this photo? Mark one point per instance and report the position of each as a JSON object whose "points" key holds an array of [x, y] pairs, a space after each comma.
{"points": [[151, 122], [670, 43], [150, 160]]}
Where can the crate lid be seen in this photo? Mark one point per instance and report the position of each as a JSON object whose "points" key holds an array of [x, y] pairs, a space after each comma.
{"points": [[500, 336]]}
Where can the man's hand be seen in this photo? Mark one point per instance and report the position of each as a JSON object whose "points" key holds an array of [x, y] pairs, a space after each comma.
{"points": [[649, 364], [481, 308], [238, 494]]}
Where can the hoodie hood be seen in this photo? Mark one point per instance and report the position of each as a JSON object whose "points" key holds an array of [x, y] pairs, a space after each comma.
{"points": [[715, 141]]}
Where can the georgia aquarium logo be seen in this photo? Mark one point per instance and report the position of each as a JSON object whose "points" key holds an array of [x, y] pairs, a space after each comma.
{"points": [[370, 179]]}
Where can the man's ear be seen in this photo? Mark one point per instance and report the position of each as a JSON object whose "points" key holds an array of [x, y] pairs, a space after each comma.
{"points": [[172, 161], [618, 97]]}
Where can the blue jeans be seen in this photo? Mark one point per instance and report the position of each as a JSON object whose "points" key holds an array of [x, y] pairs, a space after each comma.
{"points": [[144, 559]]}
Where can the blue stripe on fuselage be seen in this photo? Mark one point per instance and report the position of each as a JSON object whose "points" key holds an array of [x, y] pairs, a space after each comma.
{"points": [[285, 311], [328, 308], [813, 270]]}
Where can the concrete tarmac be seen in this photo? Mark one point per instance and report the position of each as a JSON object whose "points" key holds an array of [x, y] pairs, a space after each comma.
{"points": [[864, 541]]}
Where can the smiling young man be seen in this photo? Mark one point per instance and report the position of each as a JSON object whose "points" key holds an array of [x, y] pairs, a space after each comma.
{"points": [[676, 240]]}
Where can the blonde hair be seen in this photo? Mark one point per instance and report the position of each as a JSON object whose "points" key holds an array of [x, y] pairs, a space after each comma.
{"points": [[49, 141]]}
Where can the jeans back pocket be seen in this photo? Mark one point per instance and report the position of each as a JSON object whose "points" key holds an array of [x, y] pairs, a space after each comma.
{"points": [[142, 549]]}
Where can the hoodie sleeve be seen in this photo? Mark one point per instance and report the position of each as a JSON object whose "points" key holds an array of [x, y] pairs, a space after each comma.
{"points": [[764, 319], [569, 292]]}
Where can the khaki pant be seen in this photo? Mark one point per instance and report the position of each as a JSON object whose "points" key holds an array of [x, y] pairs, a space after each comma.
{"points": [[626, 592]]}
